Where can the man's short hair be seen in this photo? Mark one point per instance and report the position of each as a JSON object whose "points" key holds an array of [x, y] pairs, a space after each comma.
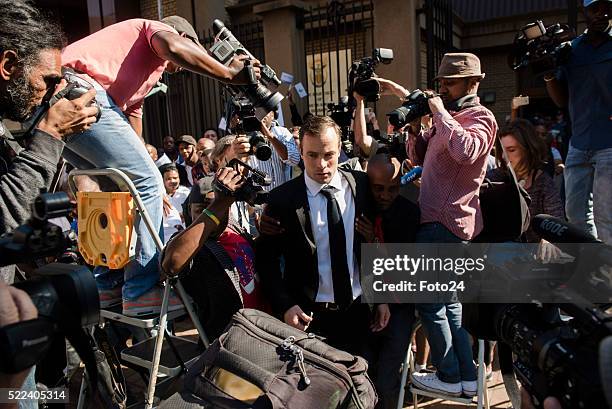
{"points": [[168, 167], [25, 30], [316, 125], [221, 146]]}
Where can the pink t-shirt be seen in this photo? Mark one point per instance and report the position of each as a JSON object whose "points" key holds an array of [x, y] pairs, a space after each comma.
{"points": [[121, 59]]}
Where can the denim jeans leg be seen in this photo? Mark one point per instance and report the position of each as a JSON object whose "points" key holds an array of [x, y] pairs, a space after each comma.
{"points": [[29, 385], [461, 343], [393, 350], [578, 190], [602, 194], [112, 143], [435, 321]]}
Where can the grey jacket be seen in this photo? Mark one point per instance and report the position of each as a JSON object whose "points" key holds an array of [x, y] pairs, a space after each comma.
{"points": [[30, 171]]}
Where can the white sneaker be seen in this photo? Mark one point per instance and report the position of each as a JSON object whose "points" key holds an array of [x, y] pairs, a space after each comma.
{"points": [[469, 388], [431, 383]]}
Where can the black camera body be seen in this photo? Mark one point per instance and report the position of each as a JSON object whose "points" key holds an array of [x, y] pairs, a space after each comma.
{"points": [[251, 190], [250, 125], [362, 71], [415, 106], [342, 114], [552, 357], [225, 47], [65, 295], [541, 49], [75, 88]]}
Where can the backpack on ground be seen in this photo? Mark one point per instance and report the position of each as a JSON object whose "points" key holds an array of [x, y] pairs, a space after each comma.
{"points": [[260, 362]]}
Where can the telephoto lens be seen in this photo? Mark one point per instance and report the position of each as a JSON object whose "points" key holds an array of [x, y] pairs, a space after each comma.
{"points": [[260, 147], [414, 107]]}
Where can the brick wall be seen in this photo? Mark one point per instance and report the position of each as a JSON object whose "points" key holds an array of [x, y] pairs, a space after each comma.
{"points": [[148, 8], [500, 79]]}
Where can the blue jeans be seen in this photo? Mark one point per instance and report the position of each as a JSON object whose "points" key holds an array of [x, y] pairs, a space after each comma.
{"points": [[588, 197], [451, 352], [29, 384], [112, 143]]}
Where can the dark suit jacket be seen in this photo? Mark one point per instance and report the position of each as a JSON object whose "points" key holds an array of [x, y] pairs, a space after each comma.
{"points": [[299, 283]]}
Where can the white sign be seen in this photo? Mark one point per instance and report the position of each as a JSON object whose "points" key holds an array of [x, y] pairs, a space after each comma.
{"points": [[299, 88], [286, 78], [222, 124]]}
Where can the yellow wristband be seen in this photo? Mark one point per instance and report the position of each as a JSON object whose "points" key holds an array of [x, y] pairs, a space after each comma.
{"points": [[211, 216]]}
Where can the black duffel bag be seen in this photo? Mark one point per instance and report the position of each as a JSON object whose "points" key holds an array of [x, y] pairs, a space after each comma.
{"points": [[260, 362]]}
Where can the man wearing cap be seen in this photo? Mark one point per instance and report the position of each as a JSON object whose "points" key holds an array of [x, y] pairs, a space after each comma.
{"points": [[584, 85], [191, 160], [454, 155], [123, 62]]}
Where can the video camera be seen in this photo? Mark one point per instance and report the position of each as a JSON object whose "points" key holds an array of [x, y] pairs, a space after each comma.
{"points": [[248, 124], [65, 295], [555, 356], [362, 71], [225, 47], [415, 106], [251, 190], [541, 48], [342, 114]]}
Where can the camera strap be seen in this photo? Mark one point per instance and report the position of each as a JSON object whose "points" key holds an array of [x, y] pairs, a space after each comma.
{"points": [[468, 101]]}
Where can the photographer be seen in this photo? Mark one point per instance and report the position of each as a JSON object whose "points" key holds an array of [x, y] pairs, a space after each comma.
{"points": [[30, 70], [367, 143], [222, 278], [454, 155], [15, 306], [123, 62], [583, 85], [285, 153]]}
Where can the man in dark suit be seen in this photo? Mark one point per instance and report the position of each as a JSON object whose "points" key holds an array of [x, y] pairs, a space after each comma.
{"points": [[319, 289]]}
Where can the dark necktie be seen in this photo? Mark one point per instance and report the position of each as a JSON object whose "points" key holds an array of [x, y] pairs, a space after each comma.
{"points": [[343, 293]]}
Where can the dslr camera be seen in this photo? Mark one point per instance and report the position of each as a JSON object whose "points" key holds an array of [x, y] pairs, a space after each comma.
{"points": [[251, 190], [225, 47], [248, 124], [415, 106], [65, 295], [362, 71], [75, 88], [541, 49]]}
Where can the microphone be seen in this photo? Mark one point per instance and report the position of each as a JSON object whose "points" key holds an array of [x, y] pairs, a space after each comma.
{"points": [[555, 230], [411, 176]]}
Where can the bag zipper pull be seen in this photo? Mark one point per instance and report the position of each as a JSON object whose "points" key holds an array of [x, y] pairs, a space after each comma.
{"points": [[299, 358]]}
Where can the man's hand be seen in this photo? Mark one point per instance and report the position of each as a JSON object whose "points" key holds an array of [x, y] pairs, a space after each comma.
{"points": [[297, 318], [241, 147], [268, 225], [67, 117], [366, 228], [240, 75], [435, 102], [381, 318], [15, 306], [167, 205], [232, 180]]}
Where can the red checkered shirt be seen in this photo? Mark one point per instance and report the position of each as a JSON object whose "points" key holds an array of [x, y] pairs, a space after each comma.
{"points": [[454, 154]]}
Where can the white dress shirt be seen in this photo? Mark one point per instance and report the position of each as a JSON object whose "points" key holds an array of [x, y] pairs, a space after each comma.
{"points": [[318, 221]]}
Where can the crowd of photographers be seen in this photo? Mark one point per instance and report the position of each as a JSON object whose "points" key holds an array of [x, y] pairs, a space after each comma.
{"points": [[298, 256]]}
